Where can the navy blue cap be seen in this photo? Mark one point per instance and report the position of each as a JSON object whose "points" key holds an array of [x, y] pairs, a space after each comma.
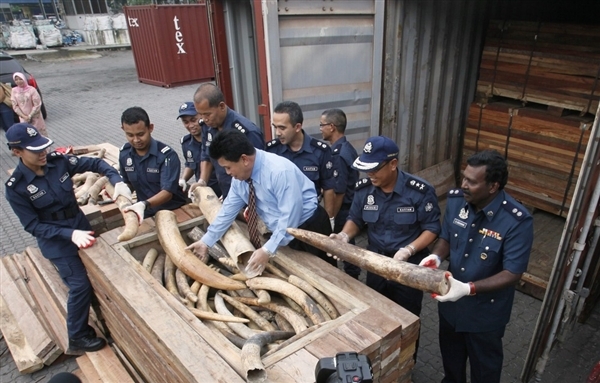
{"points": [[187, 109], [376, 151], [26, 136]]}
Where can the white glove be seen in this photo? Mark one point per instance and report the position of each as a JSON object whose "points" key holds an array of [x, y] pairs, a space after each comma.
{"points": [[332, 222], [342, 237], [256, 263], [183, 184], [402, 254], [121, 188], [200, 249], [138, 208], [432, 261], [457, 290], [83, 238], [193, 187]]}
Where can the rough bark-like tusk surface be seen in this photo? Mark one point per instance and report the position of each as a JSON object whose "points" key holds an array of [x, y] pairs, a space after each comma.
{"points": [[131, 225], [418, 277], [238, 328], [298, 323], [249, 313], [255, 370], [315, 294]]}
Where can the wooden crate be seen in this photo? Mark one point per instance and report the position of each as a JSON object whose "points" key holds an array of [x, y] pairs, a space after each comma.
{"points": [[165, 342]]}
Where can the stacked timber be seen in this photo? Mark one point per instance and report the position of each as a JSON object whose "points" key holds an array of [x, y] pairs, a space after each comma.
{"points": [[544, 151], [546, 63], [33, 301], [164, 339]]}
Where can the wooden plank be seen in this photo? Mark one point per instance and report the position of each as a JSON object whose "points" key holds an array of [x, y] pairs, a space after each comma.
{"points": [[440, 176], [25, 358], [108, 366], [139, 303], [299, 366], [35, 334], [88, 369], [133, 373], [49, 275]]}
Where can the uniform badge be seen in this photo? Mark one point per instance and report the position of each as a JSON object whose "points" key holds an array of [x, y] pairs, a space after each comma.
{"points": [[490, 233], [209, 137], [32, 132], [189, 154], [73, 160], [335, 173], [464, 213], [371, 204], [370, 200], [129, 162], [240, 127], [368, 147], [483, 256], [428, 207], [328, 165], [32, 189], [183, 106]]}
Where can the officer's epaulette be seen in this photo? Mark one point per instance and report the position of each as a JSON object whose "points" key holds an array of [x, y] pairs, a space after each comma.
{"points": [[319, 144], [516, 211], [455, 193], [239, 126], [273, 143], [185, 138], [11, 181], [417, 185], [54, 154], [126, 145], [337, 150], [362, 183], [165, 149]]}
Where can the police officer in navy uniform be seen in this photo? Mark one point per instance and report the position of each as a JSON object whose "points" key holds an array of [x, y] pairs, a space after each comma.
{"points": [[333, 127], [313, 157], [149, 166], [210, 104], [191, 147], [40, 192], [400, 211], [487, 237]]}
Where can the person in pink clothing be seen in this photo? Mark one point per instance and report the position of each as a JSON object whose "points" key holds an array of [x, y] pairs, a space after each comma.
{"points": [[27, 103]]}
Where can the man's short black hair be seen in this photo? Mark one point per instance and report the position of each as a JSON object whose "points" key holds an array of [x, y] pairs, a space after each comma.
{"points": [[337, 118], [134, 115], [230, 144], [210, 92], [496, 168], [292, 109]]}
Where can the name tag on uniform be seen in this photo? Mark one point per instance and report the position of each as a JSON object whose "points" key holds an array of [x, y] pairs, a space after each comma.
{"points": [[152, 170], [129, 168], [64, 178], [460, 223], [37, 195], [405, 209], [310, 168], [371, 207]]}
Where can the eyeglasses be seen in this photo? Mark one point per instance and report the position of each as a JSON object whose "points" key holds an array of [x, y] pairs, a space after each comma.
{"points": [[322, 125], [378, 168]]}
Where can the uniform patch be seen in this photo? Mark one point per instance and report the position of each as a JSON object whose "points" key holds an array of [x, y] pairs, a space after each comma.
{"points": [[64, 177], [189, 155], [32, 189], [405, 209], [371, 207], [335, 173], [489, 233], [73, 160], [460, 223], [209, 138], [37, 195], [328, 165], [152, 170], [463, 214], [370, 199], [165, 149], [129, 162], [518, 212], [368, 147], [362, 183], [129, 168], [310, 168], [428, 207], [417, 185]]}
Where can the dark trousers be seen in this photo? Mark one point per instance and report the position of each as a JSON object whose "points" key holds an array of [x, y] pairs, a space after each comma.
{"points": [[319, 223], [74, 275], [483, 349], [7, 116], [340, 221]]}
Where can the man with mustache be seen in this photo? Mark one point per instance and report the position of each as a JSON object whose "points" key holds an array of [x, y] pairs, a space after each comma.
{"points": [[487, 237]]}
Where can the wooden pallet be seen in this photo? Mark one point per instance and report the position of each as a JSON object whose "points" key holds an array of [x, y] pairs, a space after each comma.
{"points": [[149, 324]]}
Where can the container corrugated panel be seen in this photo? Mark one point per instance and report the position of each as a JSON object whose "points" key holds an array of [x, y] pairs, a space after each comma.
{"points": [[431, 55], [170, 43]]}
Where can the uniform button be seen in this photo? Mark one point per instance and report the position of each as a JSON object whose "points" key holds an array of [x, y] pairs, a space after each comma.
{"points": [[491, 301], [466, 255], [470, 239], [487, 247], [455, 235], [472, 225], [462, 269]]}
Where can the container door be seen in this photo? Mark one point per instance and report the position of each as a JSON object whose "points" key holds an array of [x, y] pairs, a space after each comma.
{"points": [[326, 55], [575, 267]]}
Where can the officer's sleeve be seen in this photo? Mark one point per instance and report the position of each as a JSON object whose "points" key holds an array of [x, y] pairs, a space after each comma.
{"points": [[186, 163], [289, 206], [355, 213], [122, 171], [341, 167], [428, 212], [447, 222], [257, 139], [230, 209], [170, 169], [30, 221], [204, 156], [517, 246], [326, 170], [96, 165]]}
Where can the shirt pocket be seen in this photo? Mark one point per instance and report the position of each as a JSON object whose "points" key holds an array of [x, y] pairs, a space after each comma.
{"points": [[370, 216], [405, 220], [153, 178], [488, 253]]}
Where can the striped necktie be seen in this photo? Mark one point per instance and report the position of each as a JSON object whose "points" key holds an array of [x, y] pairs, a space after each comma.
{"points": [[252, 216]]}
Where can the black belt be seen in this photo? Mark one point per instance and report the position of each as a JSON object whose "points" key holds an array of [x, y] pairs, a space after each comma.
{"points": [[66, 213]]}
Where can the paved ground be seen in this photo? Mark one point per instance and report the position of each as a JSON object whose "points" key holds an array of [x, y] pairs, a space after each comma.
{"points": [[85, 98]]}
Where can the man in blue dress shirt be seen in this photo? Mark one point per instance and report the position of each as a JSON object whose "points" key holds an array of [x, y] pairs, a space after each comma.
{"points": [[312, 156], [284, 198], [210, 104], [40, 192], [149, 166], [400, 211], [487, 237], [333, 128], [191, 147]]}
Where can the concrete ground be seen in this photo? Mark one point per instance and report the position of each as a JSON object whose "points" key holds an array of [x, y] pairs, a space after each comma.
{"points": [[85, 96]]}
